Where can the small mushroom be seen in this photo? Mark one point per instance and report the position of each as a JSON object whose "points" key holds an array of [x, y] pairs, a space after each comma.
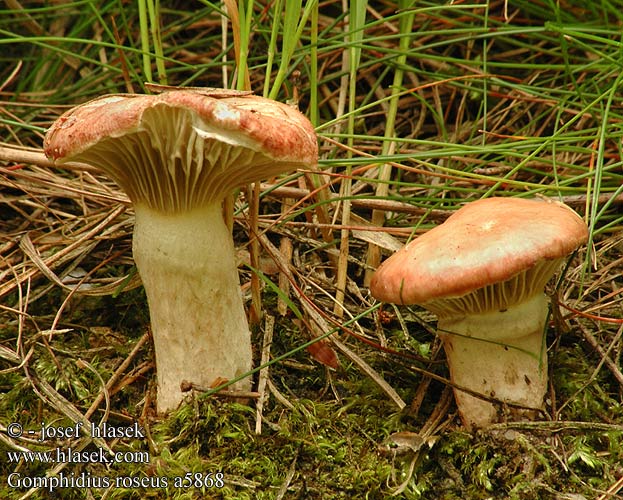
{"points": [[483, 273], [177, 155]]}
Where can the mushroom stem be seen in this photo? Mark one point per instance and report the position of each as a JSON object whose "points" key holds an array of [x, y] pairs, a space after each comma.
{"points": [[500, 354], [187, 264]]}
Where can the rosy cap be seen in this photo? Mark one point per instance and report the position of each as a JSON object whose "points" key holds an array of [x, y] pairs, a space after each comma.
{"points": [[484, 243], [182, 148]]}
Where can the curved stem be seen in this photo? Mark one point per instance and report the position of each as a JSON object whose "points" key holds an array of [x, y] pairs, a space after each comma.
{"points": [[199, 326]]}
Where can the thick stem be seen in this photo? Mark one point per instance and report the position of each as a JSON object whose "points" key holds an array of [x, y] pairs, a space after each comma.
{"points": [[188, 268], [500, 354]]}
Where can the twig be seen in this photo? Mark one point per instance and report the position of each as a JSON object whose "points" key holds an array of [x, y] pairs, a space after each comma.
{"points": [[278, 396], [593, 376], [367, 203], [427, 435], [47, 393], [323, 325], [370, 372], [15, 154], [186, 386], [613, 490], [558, 426], [64, 255], [286, 483], [115, 376], [605, 355], [269, 325]]}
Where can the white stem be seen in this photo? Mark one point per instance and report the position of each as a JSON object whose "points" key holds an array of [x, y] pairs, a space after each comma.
{"points": [[500, 354], [187, 264]]}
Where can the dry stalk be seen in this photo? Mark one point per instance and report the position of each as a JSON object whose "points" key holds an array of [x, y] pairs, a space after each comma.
{"points": [[323, 325], [114, 378], [269, 325]]}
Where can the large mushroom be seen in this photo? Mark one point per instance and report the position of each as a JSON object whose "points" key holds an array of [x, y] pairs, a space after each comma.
{"points": [[483, 273], [177, 155]]}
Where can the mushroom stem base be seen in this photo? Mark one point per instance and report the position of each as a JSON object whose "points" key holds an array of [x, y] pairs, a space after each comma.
{"points": [[199, 326], [501, 355]]}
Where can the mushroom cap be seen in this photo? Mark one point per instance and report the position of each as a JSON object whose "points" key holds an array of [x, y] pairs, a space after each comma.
{"points": [[484, 243], [188, 146]]}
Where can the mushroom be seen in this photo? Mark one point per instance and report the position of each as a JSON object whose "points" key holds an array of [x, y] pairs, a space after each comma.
{"points": [[177, 155], [483, 273]]}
